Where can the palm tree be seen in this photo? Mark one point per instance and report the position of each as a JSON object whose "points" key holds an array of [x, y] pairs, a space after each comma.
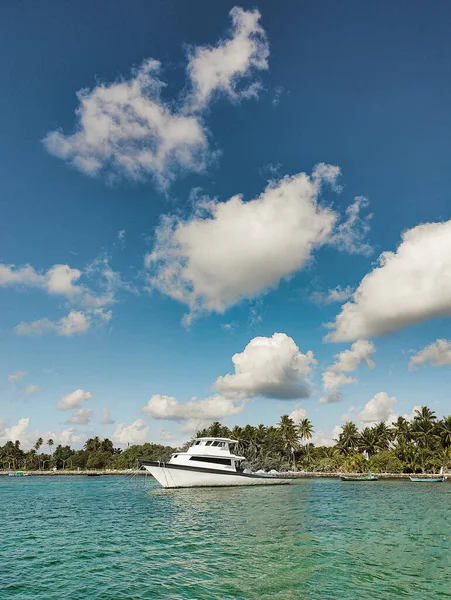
{"points": [[305, 429], [383, 436], [425, 431], [424, 413], [401, 429], [368, 442], [444, 428], [290, 438], [349, 438], [38, 444], [50, 444]]}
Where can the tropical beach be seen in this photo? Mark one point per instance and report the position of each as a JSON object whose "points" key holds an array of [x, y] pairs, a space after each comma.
{"points": [[422, 445], [225, 300]]}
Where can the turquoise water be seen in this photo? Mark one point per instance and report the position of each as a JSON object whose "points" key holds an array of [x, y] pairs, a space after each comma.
{"points": [[106, 538]]}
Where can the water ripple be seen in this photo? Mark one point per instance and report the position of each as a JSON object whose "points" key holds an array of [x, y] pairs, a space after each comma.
{"points": [[104, 539]]}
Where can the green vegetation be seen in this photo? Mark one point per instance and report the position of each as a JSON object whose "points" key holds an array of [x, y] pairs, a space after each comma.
{"points": [[420, 446], [96, 454]]}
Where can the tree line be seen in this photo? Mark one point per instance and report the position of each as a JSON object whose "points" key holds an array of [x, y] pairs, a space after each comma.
{"points": [[422, 445]]}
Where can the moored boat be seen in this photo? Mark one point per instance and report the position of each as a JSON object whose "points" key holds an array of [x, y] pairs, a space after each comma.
{"points": [[368, 477], [427, 479], [209, 462]]}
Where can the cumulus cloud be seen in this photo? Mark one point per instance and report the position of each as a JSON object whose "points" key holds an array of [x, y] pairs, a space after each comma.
{"points": [[73, 400], [350, 235], [136, 433], [273, 367], [21, 432], [210, 409], [59, 280], [438, 354], [31, 389], [15, 432], [379, 408], [17, 376], [297, 415], [227, 251], [81, 416], [337, 294], [75, 322], [220, 68], [408, 286], [62, 280], [106, 417], [346, 362], [127, 129], [164, 435]]}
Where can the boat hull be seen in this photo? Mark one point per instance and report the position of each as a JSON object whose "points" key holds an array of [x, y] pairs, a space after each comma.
{"points": [[343, 478], [427, 479], [177, 476]]}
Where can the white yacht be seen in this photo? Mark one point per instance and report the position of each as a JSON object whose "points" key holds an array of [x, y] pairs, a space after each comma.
{"points": [[209, 462]]}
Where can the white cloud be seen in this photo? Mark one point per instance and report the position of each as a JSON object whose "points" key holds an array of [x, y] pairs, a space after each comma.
{"points": [[269, 366], [128, 130], [15, 432], [410, 416], [319, 439], [20, 431], [106, 417], [337, 294], [31, 389], [73, 400], [379, 408], [17, 376], [336, 432], [210, 409], [164, 435], [58, 280], [219, 68], [136, 433], [74, 322], [232, 250], [297, 415], [350, 235], [438, 354], [63, 280], [346, 362], [81, 416], [407, 287]]}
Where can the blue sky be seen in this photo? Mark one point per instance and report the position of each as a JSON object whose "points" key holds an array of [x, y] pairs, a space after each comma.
{"points": [[163, 275]]}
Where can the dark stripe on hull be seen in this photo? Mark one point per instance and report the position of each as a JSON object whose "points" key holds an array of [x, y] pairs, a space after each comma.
{"points": [[206, 470]]}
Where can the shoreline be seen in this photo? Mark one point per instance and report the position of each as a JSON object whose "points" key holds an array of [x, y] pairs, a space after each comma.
{"points": [[141, 473]]}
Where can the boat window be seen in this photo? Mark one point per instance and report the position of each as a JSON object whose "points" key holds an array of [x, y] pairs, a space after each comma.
{"points": [[208, 443], [215, 443], [196, 443], [175, 456], [211, 459]]}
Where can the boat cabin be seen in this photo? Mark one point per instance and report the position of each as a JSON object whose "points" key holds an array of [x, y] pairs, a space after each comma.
{"points": [[210, 452]]}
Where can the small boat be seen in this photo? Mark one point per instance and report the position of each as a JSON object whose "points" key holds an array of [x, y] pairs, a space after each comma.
{"points": [[427, 479], [209, 462], [18, 474], [369, 477]]}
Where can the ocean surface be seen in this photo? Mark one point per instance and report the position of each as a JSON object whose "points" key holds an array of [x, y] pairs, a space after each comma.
{"points": [[111, 538]]}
